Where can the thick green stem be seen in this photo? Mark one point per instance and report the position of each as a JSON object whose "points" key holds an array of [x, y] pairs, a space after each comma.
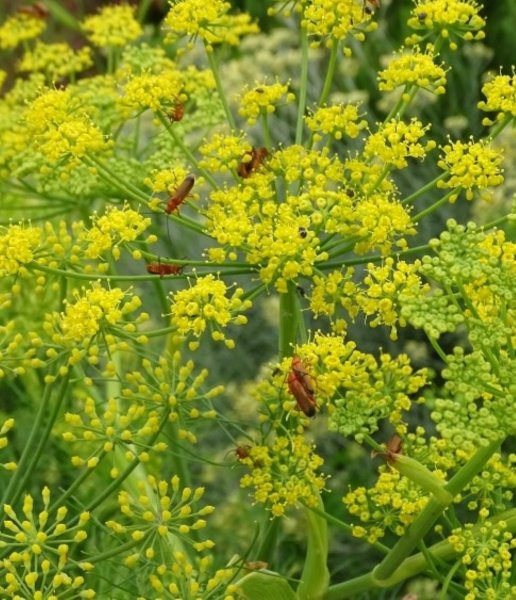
{"points": [[432, 512], [315, 577], [410, 567], [289, 321]]}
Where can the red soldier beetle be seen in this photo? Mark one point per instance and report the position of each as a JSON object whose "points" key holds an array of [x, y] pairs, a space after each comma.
{"points": [[299, 370], [258, 156], [164, 269], [177, 112], [242, 452], [180, 194], [305, 400], [301, 386]]}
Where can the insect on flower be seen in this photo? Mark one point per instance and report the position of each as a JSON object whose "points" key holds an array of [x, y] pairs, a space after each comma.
{"points": [[37, 10], [301, 386], [180, 194], [177, 112], [242, 452], [392, 448], [370, 6], [299, 370], [258, 156], [164, 269]]}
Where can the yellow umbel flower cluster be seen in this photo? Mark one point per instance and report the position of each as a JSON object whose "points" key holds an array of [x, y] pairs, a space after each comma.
{"points": [[18, 244], [113, 229], [158, 510], [204, 305], [209, 21], [447, 18], [18, 28], [191, 579], [263, 99], [471, 166], [56, 60], [149, 90], [94, 309], [224, 152], [62, 128], [500, 93], [338, 121], [37, 561], [390, 505], [414, 68], [486, 550], [396, 141], [114, 26], [284, 474], [329, 21]]}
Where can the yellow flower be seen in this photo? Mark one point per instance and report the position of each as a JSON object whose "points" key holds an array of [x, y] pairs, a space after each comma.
{"points": [[113, 26], [472, 165], [62, 128], [500, 93], [209, 21], [284, 474], [154, 91], [338, 121], [205, 304], [333, 20], [115, 227], [414, 68], [262, 99], [37, 543], [448, 18], [396, 141], [19, 28], [56, 60], [17, 247], [159, 509], [96, 308], [224, 152]]}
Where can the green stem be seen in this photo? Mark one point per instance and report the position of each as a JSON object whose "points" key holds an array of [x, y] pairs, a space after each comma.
{"points": [[437, 347], [27, 450], [423, 190], [330, 72], [432, 511], [266, 548], [215, 70], [29, 464], [289, 319], [114, 180], [433, 207], [303, 86], [499, 127], [411, 566], [315, 576], [266, 130]]}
